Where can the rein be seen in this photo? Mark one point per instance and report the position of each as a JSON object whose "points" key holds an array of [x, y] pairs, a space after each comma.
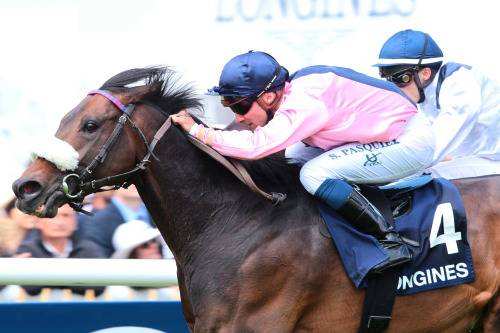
{"points": [[238, 170], [86, 186]]}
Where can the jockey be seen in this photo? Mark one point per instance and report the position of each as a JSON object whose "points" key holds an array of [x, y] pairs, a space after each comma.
{"points": [[462, 104], [368, 130]]}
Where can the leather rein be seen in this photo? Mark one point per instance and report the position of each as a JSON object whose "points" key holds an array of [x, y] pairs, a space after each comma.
{"points": [[85, 185]]}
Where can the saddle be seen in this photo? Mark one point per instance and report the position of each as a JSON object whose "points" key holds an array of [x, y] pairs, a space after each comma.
{"points": [[429, 215], [399, 193]]}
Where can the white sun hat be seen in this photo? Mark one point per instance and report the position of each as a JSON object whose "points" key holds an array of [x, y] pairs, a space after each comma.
{"points": [[131, 234]]}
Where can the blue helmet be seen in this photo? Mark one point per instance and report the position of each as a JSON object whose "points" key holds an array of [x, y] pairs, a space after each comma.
{"points": [[250, 74], [409, 47]]}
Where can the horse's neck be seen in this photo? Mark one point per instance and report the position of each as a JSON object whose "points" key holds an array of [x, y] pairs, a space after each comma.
{"points": [[186, 194]]}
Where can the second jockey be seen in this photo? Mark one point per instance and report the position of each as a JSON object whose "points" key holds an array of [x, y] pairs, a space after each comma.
{"points": [[368, 130], [461, 102]]}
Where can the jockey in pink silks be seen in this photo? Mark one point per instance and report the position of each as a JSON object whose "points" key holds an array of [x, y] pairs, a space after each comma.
{"points": [[366, 130]]}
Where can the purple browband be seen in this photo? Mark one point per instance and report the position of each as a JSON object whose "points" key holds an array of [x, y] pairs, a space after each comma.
{"points": [[109, 97]]}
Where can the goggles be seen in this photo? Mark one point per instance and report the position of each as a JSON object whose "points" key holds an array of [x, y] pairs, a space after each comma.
{"points": [[400, 78], [241, 105]]}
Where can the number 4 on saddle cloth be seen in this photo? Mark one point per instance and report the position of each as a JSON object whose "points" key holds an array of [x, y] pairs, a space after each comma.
{"points": [[431, 217]]}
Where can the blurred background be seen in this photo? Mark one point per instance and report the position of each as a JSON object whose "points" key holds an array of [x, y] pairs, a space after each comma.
{"points": [[54, 51]]}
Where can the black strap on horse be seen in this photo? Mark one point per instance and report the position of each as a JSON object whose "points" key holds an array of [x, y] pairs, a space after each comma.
{"points": [[381, 288], [123, 179], [87, 186]]}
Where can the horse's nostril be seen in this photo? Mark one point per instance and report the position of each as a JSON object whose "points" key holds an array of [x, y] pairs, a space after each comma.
{"points": [[29, 188]]}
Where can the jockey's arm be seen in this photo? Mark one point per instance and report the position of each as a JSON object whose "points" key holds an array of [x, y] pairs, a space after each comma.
{"points": [[460, 101], [288, 126]]}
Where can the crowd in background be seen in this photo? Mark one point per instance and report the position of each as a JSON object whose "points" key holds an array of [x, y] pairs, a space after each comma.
{"points": [[120, 227]]}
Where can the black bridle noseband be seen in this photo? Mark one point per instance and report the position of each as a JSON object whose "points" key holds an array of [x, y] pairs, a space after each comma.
{"points": [[86, 186]]}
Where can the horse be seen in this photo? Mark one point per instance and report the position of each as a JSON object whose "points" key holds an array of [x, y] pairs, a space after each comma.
{"points": [[244, 264]]}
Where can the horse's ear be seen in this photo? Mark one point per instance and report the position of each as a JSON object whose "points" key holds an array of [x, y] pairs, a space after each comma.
{"points": [[135, 94]]}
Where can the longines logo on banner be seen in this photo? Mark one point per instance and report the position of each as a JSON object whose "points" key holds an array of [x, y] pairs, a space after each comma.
{"points": [[433, 275], [254, 10]]}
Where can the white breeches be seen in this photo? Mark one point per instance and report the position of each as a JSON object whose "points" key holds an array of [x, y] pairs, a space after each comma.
{"points": [[465, 167], [376, 162]]}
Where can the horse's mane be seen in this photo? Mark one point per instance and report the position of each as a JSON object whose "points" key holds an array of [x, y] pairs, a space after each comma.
{"points": [[166, 90], [273, 172]]}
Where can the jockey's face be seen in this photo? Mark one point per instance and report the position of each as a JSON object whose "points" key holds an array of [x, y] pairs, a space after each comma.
{"points": [[411, 90], [257, 115]]}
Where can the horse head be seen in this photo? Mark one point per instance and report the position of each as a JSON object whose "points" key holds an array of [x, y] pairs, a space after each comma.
{"points": [[104, 141]]}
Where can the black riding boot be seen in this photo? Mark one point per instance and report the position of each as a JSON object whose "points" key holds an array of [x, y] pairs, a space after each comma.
{"points": [[367, 218]]}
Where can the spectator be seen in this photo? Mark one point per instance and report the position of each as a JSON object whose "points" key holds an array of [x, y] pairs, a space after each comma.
{"points": [[125, 205], [16, 228], [139, 240], [56, 241], [7, 228], [98, 201]]}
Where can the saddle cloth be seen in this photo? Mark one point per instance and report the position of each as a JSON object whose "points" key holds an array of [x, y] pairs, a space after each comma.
{"points": [[436, 221]]}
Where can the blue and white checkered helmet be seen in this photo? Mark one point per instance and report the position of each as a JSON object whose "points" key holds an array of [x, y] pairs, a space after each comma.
{"points": [[409, 47]]}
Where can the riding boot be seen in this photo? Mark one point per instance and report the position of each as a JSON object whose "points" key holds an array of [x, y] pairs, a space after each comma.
{"points": [[365, 217]]}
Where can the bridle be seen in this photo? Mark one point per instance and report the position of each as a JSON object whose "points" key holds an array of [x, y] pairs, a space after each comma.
{"points": [[420, 87], [87, 186]]}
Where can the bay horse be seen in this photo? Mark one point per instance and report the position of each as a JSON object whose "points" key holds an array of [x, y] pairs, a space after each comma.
{"points": [[243, 264]]}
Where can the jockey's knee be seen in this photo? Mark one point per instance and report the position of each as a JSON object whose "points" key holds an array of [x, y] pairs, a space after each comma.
{"points": [[312, 175], [310, 178]]}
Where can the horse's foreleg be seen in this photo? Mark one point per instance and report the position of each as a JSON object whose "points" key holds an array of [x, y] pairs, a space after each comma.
{"points": [[186, 304]]}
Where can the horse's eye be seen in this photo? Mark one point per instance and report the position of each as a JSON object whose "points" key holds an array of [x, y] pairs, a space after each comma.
{"points": [[90, 126]]}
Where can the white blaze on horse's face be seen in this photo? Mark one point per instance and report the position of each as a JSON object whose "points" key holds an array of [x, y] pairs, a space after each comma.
{"points": [[58, 152]]}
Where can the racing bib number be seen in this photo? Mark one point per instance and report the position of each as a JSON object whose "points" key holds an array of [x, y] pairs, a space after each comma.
{"points": [[449, 237]]}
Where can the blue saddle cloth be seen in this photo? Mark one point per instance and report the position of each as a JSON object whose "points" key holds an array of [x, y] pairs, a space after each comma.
{"points": [[436, 221]]}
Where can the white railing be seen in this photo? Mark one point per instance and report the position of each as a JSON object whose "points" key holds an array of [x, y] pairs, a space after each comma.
{"points": [[88, 272]]}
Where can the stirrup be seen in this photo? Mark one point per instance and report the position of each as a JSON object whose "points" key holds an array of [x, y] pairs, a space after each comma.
{"points": [[398, 254]]}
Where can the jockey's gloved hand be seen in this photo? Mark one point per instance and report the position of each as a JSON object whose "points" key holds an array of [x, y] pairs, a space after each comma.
{"points": [[183, 119]]}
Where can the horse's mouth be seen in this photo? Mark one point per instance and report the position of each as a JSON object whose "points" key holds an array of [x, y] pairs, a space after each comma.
{"points": [[51, 205], [46, 206]]}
